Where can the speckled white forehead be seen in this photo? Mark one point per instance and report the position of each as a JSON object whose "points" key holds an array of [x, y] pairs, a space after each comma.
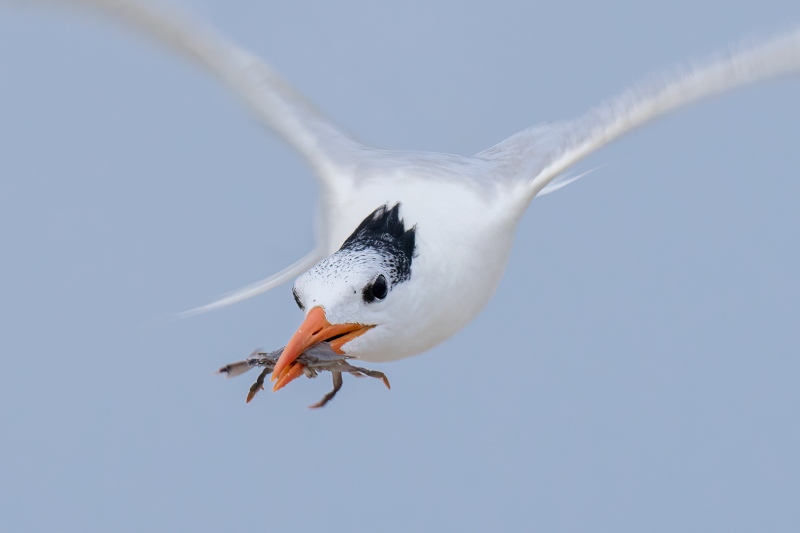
{"points": [[349, 267]]}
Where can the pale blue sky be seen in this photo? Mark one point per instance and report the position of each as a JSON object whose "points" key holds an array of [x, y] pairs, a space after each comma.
{"points": [[637, 370]]}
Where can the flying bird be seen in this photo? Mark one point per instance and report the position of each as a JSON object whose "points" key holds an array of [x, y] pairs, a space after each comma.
{"points": [[411, 245]]}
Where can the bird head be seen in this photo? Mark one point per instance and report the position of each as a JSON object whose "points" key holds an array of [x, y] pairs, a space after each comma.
{"points": [[354, 293]]}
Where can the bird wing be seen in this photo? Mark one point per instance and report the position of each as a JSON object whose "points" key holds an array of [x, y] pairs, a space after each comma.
{"points": [[266, 284], [326, 147], [329, 150], [540, 154]]}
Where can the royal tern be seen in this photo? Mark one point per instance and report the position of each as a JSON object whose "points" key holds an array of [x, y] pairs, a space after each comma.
{"points": [[411, 245]]}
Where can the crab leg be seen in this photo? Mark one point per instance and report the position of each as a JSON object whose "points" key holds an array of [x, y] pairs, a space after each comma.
{"points": [[337, 384], [258, 385]]}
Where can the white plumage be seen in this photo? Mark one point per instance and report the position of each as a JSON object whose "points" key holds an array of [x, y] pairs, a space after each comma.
{"points": [[464, 209]]}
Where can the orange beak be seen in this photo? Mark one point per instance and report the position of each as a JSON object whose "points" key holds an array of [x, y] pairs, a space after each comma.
{"points": [[314, 329]]}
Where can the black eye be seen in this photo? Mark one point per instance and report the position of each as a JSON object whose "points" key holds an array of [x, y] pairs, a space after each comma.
{"points": [[297, 299], [376, 290]]}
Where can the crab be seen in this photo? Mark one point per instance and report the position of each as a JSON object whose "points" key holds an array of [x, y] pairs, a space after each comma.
{"points": [[318, 358]]}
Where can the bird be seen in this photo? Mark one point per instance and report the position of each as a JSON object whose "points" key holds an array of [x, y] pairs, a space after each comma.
{"points": [[410, 246]]}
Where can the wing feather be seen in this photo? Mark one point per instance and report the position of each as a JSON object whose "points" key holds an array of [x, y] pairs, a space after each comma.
{"points": [[326, 147], [541, 153], [266, 284]]}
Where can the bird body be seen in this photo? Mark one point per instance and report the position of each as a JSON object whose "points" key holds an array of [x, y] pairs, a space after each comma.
{"points": [[464, 228], [411, 245]]}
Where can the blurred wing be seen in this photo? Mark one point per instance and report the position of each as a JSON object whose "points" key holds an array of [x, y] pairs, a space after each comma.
{"points": [[326, 147], [541, 153], [562, 180], [266, 284]]}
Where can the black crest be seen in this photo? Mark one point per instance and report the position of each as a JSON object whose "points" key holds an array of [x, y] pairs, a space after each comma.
{"points": [[385, 231]]}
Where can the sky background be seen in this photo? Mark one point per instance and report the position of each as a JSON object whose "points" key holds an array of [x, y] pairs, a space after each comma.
{"points": [[637, 369]]}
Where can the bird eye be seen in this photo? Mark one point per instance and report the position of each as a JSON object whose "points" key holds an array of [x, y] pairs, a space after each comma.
{"points": [[376, 290], [297, 299]]}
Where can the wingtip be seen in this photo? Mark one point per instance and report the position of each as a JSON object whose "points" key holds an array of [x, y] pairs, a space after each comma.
{"points": [[254, 289]]}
